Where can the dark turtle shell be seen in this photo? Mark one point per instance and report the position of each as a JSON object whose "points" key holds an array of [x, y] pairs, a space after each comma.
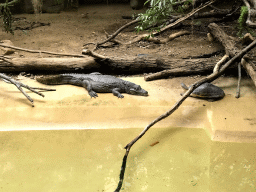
{"points": [[206, 91]]}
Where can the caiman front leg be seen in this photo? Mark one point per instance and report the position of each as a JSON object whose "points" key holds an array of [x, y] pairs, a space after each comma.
{"points": [[88, 86], [117, 93]]}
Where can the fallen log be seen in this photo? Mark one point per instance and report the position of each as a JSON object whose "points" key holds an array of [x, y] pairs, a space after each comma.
{"points": [[127, 65], [147, 63], [8, 64], [232, 49], [250, 68], [187, 67]]}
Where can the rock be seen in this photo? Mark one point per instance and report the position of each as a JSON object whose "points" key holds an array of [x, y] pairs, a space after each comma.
{"points": [[137, 4], [7, 51]]}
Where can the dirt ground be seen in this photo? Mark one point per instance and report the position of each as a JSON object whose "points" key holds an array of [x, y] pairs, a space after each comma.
{"points": [[69, 31]]}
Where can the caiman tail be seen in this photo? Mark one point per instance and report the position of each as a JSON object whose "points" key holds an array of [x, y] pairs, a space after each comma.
{"points": [[50, 79]]}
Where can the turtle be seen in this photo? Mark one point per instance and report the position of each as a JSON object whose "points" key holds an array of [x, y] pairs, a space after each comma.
{"points": [[206, 91]]}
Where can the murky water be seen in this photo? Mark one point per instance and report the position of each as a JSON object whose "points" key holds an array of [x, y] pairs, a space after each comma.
{"points": [[89, 160]]}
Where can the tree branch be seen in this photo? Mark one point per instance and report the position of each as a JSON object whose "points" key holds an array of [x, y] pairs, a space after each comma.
{"points": [[39, 51], [209, 78], [20, 85]]}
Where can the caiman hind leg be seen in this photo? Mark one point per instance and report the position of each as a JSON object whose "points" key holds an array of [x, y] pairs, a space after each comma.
{"points": [[88, 86], [117, 93]]}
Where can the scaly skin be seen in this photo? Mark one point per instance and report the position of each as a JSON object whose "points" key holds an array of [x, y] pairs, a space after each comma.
{"points": [[206, 91], [95, 83]]}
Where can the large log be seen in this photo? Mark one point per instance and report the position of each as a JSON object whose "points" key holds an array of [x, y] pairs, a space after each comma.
{"points": [[231, 49], [128, 65]]}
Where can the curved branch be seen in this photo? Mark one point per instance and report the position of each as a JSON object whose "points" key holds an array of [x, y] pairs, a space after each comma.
{"points": [[116, 33]]}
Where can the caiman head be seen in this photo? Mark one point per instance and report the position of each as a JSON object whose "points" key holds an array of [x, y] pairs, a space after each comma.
{"points": [[134, 89]]}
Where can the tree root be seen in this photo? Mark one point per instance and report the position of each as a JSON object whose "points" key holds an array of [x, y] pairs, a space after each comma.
{"points": [[250, 11]]}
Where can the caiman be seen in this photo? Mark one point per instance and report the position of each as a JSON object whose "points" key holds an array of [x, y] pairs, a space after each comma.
{"points": [[95, 83]]}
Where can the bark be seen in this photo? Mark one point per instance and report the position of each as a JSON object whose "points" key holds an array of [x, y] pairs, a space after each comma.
{"points": [[130, 65], [146, 63], [46, 64], [251, 69], [228, 43]]}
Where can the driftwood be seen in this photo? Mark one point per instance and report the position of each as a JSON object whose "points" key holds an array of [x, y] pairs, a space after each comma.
{"points": [[96, 62], [148, 64], [248, 66], [8, 64], [251, 12], [209, 78], [231, 49], [131, 65], [152, 39], [20, 85]]}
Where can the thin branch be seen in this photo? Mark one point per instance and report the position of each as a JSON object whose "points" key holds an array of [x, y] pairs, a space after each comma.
{"points": [[140, 37], [239, 81], [185, 17], [220, 63], [39, 51], [209, 78], [116, 33]]}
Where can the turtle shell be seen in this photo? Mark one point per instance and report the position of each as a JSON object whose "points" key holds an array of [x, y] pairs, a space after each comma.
{"points": [[207, 91]]}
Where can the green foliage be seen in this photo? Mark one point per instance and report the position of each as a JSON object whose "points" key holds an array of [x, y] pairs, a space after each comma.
{"points": [[242, 22], [7, 17], [158, 13]]}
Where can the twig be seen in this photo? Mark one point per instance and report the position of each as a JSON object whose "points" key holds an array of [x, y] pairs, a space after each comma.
{"points": [[239, 80], [220, 63], [154, 40], [185, 17], [93, 54], [39, 51], [20, 85], [116, 33], [209, 78]]}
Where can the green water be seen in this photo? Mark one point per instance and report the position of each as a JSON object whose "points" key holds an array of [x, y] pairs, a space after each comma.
{"points": [[90, 160]]}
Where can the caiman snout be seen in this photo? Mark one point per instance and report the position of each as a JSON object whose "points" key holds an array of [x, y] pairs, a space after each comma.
{"points": [[138, 91]]}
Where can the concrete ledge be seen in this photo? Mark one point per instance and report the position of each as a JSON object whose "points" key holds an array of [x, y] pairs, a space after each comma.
{"points": [[70, 107]]}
